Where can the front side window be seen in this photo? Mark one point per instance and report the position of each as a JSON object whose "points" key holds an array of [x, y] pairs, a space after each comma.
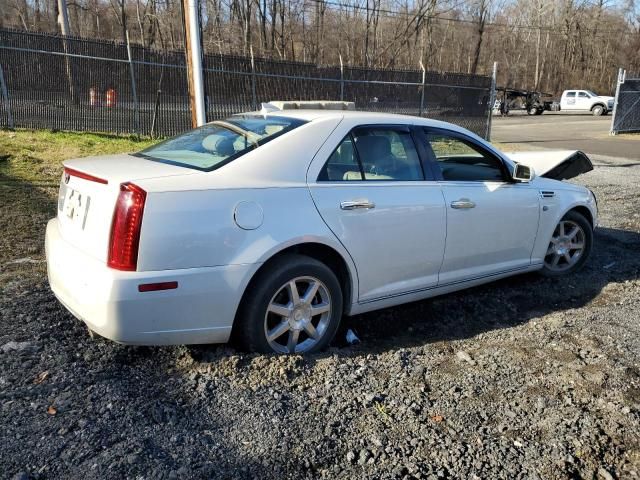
{"points": [[374, 153], [461, 160], [217, 143], [583, 95]]}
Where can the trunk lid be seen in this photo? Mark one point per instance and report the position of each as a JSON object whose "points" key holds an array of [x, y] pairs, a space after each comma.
{"points": [[555, 164], [88, 192]]}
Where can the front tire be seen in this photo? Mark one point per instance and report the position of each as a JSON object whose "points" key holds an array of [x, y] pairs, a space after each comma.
{"points": [[569, 246], [293, 306], [597, 110]]}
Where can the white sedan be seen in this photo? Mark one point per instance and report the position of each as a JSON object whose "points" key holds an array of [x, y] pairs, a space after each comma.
{"points": [[272, 225]]}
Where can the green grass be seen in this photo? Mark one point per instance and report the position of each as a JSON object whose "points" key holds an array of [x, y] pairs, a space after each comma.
{"points": [[30, 171], [37, 156]]}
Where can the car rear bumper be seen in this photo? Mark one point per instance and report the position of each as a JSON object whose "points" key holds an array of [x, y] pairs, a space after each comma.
{"points": [[200, 310]]}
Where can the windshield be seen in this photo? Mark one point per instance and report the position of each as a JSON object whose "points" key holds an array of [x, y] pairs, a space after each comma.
{"points": [[217, 143]]}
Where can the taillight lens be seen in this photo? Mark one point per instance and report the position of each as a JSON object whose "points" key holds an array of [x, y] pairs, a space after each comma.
{"points": [[125, 228]]}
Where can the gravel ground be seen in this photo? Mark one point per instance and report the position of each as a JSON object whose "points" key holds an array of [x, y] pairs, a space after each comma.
{"points": [[523, 378]]}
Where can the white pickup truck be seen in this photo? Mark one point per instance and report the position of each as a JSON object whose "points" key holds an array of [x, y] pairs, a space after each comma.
{"points": [[585, 100]]}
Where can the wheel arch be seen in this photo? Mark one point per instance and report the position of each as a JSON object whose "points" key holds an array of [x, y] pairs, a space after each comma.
{"points": [[343, 269], [598, 104], [584, 211]]}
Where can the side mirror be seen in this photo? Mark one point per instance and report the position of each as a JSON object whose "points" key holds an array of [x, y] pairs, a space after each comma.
{"points": [[522, 173]]}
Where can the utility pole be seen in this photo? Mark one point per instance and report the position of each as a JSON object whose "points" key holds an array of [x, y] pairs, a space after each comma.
{"points": [[193, 52], [63, 17], [63, 21]]}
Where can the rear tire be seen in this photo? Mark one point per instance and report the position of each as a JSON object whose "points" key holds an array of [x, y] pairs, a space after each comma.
{"points": [[569, 247], [275, 318]]}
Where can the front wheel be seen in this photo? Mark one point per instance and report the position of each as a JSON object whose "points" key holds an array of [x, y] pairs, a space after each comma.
{"points": [[569, 247], [294, 306], [597, 110]]}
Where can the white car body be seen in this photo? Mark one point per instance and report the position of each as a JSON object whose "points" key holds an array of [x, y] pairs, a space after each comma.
{"points": [[210, 232], [584, 100]]}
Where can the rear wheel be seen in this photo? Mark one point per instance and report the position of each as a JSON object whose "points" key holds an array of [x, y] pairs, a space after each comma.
{"points": [[597, 110], [569, 247], [294, 306]]}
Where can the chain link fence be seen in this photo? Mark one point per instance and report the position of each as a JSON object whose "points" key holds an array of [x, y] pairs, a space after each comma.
{"points": [[626, 110], [77, 84]]}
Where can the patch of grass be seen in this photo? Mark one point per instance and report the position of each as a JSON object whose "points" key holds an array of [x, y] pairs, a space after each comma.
{"points": [[37, 156], [30, 171]]}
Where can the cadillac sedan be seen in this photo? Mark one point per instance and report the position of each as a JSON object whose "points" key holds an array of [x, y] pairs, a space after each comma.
{"points": [[273, 225]]}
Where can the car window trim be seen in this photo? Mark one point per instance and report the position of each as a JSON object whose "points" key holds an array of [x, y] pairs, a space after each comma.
{"points": [[506, 177], [357, 154], [430, 169]]}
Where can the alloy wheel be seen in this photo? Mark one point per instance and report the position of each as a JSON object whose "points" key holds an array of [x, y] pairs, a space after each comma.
{"points": [[298, 315], [566, 246]]}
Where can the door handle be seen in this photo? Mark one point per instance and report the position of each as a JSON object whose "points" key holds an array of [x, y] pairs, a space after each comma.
{"points": [[462, 203], [357, 204]]}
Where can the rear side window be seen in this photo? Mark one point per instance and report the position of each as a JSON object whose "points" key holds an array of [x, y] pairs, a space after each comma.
{"points": [[342, 164], [461, 160], [217, 143], [374, 153], [571, 94]]}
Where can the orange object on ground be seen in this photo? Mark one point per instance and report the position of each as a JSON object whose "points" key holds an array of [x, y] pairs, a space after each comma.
{"points": [[111, 97]]}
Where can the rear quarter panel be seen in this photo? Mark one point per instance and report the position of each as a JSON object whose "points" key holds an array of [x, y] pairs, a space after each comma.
{"points": [[197, 228]]}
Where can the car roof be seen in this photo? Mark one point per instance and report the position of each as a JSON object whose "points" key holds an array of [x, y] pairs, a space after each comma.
{"points": [[310, 114], [363, 117]]}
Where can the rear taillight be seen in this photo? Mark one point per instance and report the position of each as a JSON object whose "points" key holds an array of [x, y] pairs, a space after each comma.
{"points": [[125, 228]]}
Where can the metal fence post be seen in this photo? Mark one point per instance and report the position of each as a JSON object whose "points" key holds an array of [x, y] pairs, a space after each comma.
{"points": [[253, 80], [341, 78], [424, 78], [492, 100], [621, 78], [133, 86], [5, 96]]}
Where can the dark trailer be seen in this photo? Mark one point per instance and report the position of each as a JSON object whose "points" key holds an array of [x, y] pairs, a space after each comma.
{"points": [[534, 103]]}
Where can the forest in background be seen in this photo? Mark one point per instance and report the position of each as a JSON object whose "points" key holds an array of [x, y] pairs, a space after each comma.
{"points": [[547, 45]]}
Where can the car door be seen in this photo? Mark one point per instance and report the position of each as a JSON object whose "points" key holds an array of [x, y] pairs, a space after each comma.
{"points": [[583, 101], [374, 196], [570, 101], [491, 221]]}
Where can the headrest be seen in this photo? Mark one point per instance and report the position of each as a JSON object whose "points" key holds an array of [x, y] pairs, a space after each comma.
{"points": [[225, 146], [372, 146], [209, 142]]}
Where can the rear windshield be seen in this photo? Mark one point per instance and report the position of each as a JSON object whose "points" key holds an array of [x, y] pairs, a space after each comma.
{"points": [[217, 143]]}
